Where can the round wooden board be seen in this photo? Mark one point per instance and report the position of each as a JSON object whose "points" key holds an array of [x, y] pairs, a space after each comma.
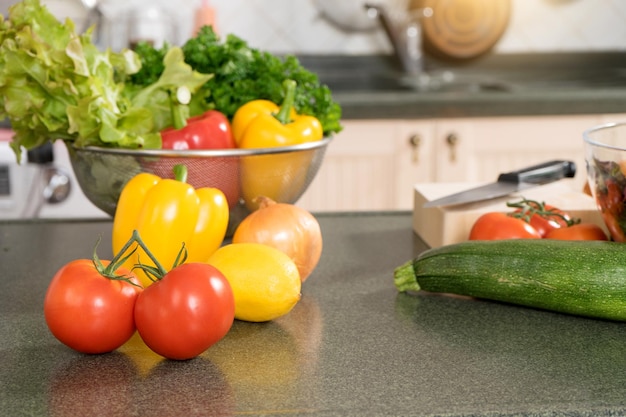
{"points": [[463, 29]]}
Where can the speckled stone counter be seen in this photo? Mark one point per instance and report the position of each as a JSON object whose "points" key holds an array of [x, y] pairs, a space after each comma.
{"points": [[353, 346]]}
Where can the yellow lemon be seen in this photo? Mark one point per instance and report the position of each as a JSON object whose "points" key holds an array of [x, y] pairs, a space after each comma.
{"points": [[265, 281]]}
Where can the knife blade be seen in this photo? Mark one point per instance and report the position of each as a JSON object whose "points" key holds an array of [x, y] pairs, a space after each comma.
{"points": [[511, 182]]}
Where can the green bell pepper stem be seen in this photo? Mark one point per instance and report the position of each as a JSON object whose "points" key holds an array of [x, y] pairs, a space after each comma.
{"points": [[284, 114], [180, 172]]}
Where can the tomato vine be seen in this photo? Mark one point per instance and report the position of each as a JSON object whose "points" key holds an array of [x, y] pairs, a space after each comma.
{"points": [[526, 209]]}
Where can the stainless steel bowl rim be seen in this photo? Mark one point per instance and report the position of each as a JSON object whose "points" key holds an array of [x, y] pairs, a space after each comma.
{"points": [[203, 153], [587, 135]]}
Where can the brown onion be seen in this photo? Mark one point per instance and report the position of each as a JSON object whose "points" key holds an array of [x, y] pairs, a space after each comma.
{"points": [[286, 227]]}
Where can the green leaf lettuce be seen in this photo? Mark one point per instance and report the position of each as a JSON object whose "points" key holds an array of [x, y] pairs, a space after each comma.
{"points": [[55, 84]]}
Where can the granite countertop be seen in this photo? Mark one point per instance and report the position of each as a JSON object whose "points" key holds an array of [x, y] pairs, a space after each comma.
{"points": [[368, 87], [353, 346]]}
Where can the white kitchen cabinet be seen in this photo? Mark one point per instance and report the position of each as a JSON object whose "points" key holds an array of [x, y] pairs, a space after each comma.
{"points": [[358, 169], [373, 164]]}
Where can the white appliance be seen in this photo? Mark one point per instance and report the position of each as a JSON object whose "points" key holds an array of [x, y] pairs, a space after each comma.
{"points": [[42, 185]]}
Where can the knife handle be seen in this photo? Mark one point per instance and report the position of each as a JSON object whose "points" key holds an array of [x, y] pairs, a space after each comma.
{"points": [[542, 173]]}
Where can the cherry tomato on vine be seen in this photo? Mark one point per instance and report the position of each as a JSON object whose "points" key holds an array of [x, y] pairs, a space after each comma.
{"points": [[581, 231], [542, 217], [90, 312], [497, 226], [549, 219], [185, 311]]}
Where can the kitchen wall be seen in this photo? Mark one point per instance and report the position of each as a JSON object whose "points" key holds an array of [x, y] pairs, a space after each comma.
{"points": [[535, 26], [296, 26]]}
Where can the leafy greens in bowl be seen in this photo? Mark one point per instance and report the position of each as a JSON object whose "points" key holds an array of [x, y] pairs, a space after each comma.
{"points": [[56, 84]]}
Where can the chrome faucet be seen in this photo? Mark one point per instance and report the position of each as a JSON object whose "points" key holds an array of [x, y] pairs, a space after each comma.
{"points": [[405, 36]]}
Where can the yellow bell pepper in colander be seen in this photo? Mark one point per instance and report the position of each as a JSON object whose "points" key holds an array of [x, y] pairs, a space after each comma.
{"points": [[168, 213], [263, 124]]}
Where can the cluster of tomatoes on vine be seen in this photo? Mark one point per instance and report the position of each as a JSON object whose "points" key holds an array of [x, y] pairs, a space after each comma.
{"points": [[94, 306], [532, 219]]}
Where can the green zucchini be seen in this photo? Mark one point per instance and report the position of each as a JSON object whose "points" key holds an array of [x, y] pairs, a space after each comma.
{"points": [[584, 278]]}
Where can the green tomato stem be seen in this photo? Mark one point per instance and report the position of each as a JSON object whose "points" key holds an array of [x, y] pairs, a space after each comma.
{"points": [[529, 208], [158, 272], [155, 273], [117, 261]]}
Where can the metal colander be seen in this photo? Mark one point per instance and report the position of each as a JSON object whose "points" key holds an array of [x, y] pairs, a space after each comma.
{"points": [[281, 173]]}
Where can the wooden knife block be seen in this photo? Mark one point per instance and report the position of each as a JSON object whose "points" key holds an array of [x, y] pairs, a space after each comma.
{"points": [[439, 226]]}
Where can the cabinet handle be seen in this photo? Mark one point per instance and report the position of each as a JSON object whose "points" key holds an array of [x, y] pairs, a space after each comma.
{"points": [[414, 141], [452, 140]]}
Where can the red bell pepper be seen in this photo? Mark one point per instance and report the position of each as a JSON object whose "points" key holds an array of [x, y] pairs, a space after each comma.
{"points": [[210, 130]]}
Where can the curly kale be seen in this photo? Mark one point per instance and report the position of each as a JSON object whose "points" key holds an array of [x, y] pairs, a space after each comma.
{"points": [[242, 74]]}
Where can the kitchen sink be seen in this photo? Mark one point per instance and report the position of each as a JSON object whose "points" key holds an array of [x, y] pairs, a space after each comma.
{"points": [[557, 79], [607, 78], [373, 74], [436, 81], [470, 81]]}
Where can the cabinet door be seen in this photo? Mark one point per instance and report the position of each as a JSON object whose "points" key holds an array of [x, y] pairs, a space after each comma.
{"points": [[358, 171], [508, 143], [452, 150], [414, 162]]}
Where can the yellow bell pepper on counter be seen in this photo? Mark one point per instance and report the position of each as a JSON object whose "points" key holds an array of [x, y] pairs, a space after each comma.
{"points": [[168, 213], [263, 124]]}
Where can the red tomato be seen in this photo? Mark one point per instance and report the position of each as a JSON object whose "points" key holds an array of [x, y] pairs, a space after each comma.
{"points": [[497, 226], [581, 231], [186, 312], [89, 312], [545, 223]]}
